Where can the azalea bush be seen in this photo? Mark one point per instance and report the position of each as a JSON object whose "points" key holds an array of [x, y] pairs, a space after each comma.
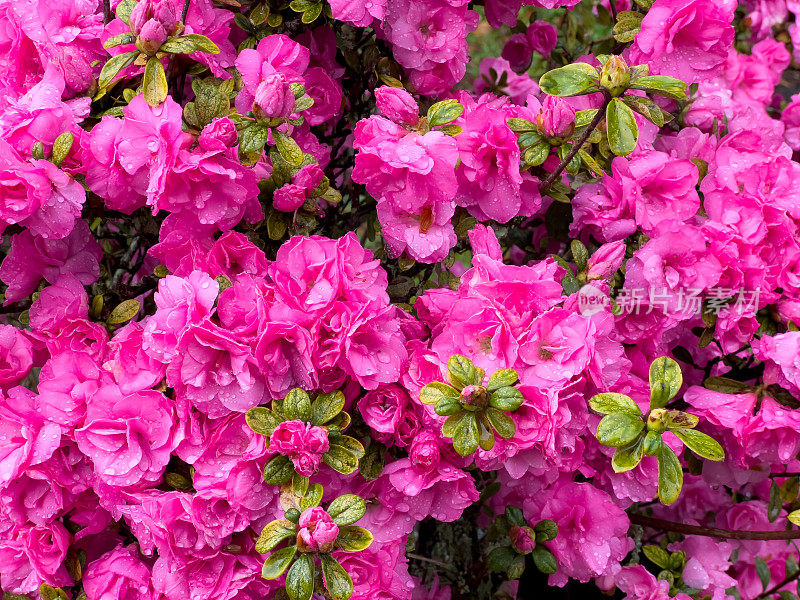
{"points": [[399, 299]]}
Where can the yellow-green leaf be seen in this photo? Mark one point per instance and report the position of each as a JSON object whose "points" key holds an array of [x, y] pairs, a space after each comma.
{"points": [[621, 128], [154, 84], [124, 312]]}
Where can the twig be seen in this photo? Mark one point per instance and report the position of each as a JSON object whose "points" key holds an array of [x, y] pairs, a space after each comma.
{"points": [[185, 10], [613, 5], [107, 14], [789, 579], [724, 534], [426, 559], [601, 113]]}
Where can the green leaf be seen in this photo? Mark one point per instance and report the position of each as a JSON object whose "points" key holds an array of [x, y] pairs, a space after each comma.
{"points": [[178, 44], [621, 128], [444, 112], [521, 125], [451, 423], [337, 581], [124, 312], [261, 420], [353, 539], [590, 163], [763, 572], [436, 391], [584, 117], [259, 14], [627, 457], [326, 406], [302, 5], [546, 530], [288, 148], [303, 103], [277, 562], [273, 534], [154, 84], [536, 155], [347, 509], [544, 560], [311, 15], [202, 43], [726, 385], [670, 475], [662, 86], [787, 595], [300, 578], [297, 405], [501, 422], [648, 109], [506, 398], [609, 402], [253, 138], [279, 470], [312, 497], [502, 378], [528, 139], [794, 517], [114, 65], [124, 9], [701, 444], [61, 147], [466, 435], [120, 40], [462, 372], [516, 568], [665, 381], [619, 429], [349, 443], [572, 80], [677, 419], [514, 515], [451, 130], [657, 555], [775, 504], [447, 406], [500, 558], [340, 459], [628, 24]]}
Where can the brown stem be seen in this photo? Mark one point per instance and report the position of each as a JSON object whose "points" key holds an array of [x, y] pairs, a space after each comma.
{"points": [[789, 579], [426, 559], [613, 5], [577, 146], [724, 534], [185, 10], [107, 14]]}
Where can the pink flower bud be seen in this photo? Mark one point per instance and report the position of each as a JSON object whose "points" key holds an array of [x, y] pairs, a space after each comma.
{"points": [[542, 37], [274, 97], [397, 105], [152, 35], [164, 12], [523, 539], [288, 198], [606, 260], [317, 531], [557, 117], [518, 52], [139, 16]]}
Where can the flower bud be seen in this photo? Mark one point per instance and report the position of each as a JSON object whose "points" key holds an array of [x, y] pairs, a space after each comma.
{"points": [[557, 117], [317, 531], [542, 37], [397, 105], [152, 35], [424, 451], [274, 97], [164, 12], [655, 420], [606, 261], [615, 75], [474, 395], [139, 16], [523, 539]]}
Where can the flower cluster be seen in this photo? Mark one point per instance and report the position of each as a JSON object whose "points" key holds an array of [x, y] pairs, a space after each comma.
{"points": [[322, 299]]}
